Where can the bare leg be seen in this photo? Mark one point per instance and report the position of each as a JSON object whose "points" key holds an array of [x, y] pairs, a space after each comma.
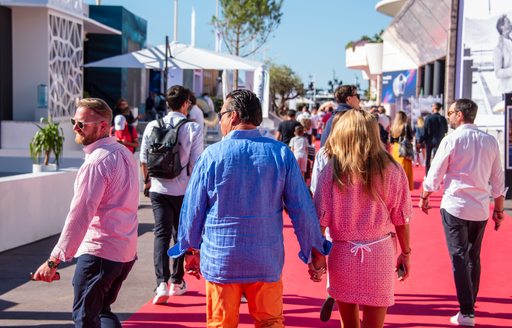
{"points": [[373, 316], [349, 315]]}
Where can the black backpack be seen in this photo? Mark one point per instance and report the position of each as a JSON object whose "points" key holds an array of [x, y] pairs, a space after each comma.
{"points": [[163, 154]]}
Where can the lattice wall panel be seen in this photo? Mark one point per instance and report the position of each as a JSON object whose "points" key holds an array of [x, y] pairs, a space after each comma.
{"points": [[66, 59]]}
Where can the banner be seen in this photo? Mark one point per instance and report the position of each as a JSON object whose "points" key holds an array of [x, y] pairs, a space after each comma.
{"points": [[484, 57]]}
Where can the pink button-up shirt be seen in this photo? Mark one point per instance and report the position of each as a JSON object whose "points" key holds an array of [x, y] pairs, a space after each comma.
{"points": [[102, 218]]}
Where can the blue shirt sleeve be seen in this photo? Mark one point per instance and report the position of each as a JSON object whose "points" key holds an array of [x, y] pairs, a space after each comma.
{"points": [[193, 210], [301, 210]]}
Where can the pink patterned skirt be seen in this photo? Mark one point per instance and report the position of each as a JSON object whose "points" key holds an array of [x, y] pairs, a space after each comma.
{"points": [[363, 274]]}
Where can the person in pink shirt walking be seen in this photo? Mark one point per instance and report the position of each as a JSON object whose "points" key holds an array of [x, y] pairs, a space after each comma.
{"points": [[101, 227], [362, 196]]}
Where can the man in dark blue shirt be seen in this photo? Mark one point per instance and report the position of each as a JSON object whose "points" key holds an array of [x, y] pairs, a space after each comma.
{"points": [[435, 129]]}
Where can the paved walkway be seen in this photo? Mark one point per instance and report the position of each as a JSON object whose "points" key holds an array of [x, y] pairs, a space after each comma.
{"points": [[25, 303]]}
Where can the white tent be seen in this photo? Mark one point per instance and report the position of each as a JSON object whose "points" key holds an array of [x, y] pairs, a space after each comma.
{"points": [[182, 56]]}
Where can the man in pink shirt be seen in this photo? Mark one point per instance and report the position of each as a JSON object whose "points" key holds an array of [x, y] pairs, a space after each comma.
{"points": [[101, 227]]}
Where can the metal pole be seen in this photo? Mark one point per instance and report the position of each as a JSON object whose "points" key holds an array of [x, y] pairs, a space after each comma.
{"points": [[166, 69], [175, 32]]}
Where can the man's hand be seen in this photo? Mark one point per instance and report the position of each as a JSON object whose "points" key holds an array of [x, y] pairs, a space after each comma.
{"points": [[147, 186], [317, 267], [497, 217], [424, 204], [315, 273], [45, 273], [192, 265]]}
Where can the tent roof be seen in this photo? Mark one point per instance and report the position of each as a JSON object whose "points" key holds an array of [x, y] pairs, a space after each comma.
{"points": [[182, 57]]}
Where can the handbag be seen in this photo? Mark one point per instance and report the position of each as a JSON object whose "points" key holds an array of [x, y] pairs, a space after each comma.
{"points": [[406, 149]]}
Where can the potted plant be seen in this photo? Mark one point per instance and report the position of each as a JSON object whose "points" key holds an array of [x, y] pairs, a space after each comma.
{"points": [[49, 139]]}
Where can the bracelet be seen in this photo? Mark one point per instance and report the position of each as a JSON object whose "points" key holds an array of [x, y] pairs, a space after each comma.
{"points": [[495, 210], [407, 253], [192, 252]]}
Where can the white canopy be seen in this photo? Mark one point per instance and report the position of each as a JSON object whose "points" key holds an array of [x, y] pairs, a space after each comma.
{"points": [[182, 56]]}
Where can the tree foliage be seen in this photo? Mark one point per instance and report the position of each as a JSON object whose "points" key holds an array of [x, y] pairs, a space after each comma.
{"points": [[285, 84], [246, 25], [245, 21]]}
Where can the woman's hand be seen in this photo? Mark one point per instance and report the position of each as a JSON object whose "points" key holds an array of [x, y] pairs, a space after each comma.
{"points": [[402, 262], [317, 267]]}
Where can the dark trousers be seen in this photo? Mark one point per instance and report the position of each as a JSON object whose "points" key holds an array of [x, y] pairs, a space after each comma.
{"points": [[166, 210], [96, 283], [464, 240], [431, 152]]}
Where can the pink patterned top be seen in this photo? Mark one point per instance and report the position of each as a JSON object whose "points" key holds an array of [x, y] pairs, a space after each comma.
{"points": [[353, 215]]}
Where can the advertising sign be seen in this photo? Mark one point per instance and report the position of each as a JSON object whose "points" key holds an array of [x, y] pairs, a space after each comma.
{"points": [[484, 57], [397, 89]]}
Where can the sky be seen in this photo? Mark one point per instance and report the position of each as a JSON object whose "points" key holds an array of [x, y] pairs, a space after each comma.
{"points": [[310, 40]]}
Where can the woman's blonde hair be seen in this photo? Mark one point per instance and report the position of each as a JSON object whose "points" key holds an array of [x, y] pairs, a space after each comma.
{"points": [[420, 122], [355, 150], [399, 124]]}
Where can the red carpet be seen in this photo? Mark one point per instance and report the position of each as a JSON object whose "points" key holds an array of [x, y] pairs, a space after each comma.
{"points": [[426, 299]]}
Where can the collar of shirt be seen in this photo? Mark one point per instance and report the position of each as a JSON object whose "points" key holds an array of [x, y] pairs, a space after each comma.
{"points": [[173, 115], [243, 134], [467, 126], [342, 107], [98, 143]]}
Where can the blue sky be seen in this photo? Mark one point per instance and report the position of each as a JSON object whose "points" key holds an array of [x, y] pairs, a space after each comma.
{"points": [[311, 38]]}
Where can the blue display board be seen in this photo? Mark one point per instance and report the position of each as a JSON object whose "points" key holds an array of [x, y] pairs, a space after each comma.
{"points": [[398, 85]]}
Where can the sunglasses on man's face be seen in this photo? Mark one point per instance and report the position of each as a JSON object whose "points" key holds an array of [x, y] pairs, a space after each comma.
{"points": [[82, 124], [220, 114]]}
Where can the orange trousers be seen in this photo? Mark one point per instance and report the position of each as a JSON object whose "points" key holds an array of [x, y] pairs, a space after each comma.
{"points": [[265, 301]]}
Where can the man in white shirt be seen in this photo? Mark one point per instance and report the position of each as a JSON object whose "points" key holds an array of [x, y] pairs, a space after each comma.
{"points": [[468, 160], [194, 112], [167, 194]]}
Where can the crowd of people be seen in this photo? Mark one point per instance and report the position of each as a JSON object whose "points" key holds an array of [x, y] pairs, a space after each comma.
{"points": [[214, 207]]}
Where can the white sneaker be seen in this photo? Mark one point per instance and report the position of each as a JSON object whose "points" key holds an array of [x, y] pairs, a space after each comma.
{"points": [[178, 289], [463, 319], [162, 294]]}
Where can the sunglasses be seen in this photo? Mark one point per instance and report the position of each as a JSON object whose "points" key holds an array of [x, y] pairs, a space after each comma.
{"points": [[82, 124], [450, 112], [220, 114]]}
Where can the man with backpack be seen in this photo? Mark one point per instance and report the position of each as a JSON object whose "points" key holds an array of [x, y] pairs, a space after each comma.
{"points": [[169, 149]]}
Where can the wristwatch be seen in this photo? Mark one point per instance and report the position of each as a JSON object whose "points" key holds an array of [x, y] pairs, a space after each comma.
{"points": [[52, 265]]}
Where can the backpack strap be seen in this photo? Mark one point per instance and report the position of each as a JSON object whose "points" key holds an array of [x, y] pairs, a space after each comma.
{"points": [[178, 126]]}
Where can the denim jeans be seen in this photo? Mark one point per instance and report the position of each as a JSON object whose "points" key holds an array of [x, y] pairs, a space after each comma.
{"points": [[166, 210], [96, 283], [464, 240]]}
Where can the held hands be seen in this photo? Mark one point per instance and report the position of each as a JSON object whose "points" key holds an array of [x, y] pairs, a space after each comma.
{"points": [[317, 267]]}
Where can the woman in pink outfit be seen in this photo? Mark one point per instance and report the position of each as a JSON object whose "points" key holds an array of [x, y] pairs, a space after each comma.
{"points": [[363, 197]]}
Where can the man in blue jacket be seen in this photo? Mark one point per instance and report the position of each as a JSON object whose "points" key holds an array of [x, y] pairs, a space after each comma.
{"points": [[347, 98]]}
